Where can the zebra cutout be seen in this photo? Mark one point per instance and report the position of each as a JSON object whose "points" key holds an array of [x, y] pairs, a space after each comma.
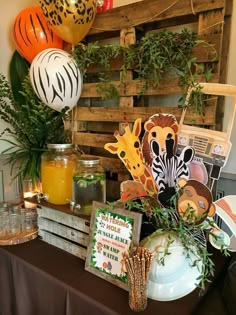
{"points": [[167, 168]]}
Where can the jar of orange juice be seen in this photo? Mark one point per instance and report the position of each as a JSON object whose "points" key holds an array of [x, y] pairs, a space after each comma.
{"points": [[57, 167]]}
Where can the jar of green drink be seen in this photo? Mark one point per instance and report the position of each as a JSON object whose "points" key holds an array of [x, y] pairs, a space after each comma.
{"points": [[89, 184]]}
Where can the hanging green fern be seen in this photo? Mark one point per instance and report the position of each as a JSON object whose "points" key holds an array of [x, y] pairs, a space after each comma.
{"points": [[152, 57]]}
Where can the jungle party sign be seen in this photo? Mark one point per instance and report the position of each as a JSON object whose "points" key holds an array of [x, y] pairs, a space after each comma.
{"points": [[112, 234]]}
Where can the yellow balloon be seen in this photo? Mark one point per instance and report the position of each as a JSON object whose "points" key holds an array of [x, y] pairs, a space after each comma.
{"points": [[69, 19]]}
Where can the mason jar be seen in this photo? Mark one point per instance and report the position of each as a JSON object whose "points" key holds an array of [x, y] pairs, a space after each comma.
{"points": [[57, 166], [89, 184]]}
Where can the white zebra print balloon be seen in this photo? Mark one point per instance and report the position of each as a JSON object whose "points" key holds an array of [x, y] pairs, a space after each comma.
{"points": [[56, 78]]}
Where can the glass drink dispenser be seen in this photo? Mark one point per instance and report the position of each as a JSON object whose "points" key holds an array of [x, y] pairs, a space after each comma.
{"points": [[89, 184], [57, 166]]}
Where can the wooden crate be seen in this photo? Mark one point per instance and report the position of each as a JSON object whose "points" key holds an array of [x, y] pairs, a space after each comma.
{"points": [[94, 122], [58, 226]]}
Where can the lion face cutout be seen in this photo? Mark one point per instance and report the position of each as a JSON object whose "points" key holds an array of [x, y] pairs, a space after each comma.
{"points": [[159, 128]]}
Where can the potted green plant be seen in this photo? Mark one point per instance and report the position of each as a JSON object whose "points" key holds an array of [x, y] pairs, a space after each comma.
{"points": [[30, 124]]}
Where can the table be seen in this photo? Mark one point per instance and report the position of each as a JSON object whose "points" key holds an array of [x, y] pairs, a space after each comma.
{"points": [[39, 279]]}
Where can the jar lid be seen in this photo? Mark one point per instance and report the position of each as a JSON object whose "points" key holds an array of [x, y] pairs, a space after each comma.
{"points": [[60, 145], [89, 161]]}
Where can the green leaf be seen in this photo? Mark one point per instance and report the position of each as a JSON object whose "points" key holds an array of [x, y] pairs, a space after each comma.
{"points": [[19, 69]]}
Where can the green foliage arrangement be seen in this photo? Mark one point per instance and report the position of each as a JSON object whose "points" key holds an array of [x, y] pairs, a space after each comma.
{"points": [[30, 126], [154, 56], [162, 220]]}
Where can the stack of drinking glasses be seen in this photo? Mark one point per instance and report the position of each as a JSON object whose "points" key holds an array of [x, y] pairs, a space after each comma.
{"points": [[16, 220]]}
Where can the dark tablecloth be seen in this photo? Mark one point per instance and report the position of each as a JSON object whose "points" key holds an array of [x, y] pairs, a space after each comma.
{"points": [[37, 278]]}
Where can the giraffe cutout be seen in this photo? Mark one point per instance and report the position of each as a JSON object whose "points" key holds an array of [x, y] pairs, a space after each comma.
{"points": [[128, 148]]}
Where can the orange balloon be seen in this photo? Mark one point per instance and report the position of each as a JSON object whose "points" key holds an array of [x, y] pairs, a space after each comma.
{"points": [[32, 33]]}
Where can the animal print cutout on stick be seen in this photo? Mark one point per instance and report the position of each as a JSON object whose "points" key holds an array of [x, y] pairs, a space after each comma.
{"points": [[128, 148], [167, 168]]}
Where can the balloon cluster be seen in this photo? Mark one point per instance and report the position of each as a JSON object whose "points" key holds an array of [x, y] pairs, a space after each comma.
{"points": [[39, 34]]}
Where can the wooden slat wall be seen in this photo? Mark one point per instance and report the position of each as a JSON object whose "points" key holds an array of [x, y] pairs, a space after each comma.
{"points": [[120, 3], [94, 124]]}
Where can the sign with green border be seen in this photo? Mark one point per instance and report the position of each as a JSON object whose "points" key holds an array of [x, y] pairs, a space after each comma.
{"points": [[112, 233]]}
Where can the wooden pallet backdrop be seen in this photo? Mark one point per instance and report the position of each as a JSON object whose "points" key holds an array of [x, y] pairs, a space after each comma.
{"points": [[94, 121]]}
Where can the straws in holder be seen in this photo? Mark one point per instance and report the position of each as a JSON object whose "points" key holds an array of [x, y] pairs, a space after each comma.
{"points": [[138, 266]]}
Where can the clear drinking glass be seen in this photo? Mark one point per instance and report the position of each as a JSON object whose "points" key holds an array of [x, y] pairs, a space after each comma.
{"points": [[14, 224], [4, 223], [29, 222], [22, 219]]}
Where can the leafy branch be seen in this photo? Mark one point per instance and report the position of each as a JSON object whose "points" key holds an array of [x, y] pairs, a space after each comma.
{"points": [[31, 125], [165, 223]]}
